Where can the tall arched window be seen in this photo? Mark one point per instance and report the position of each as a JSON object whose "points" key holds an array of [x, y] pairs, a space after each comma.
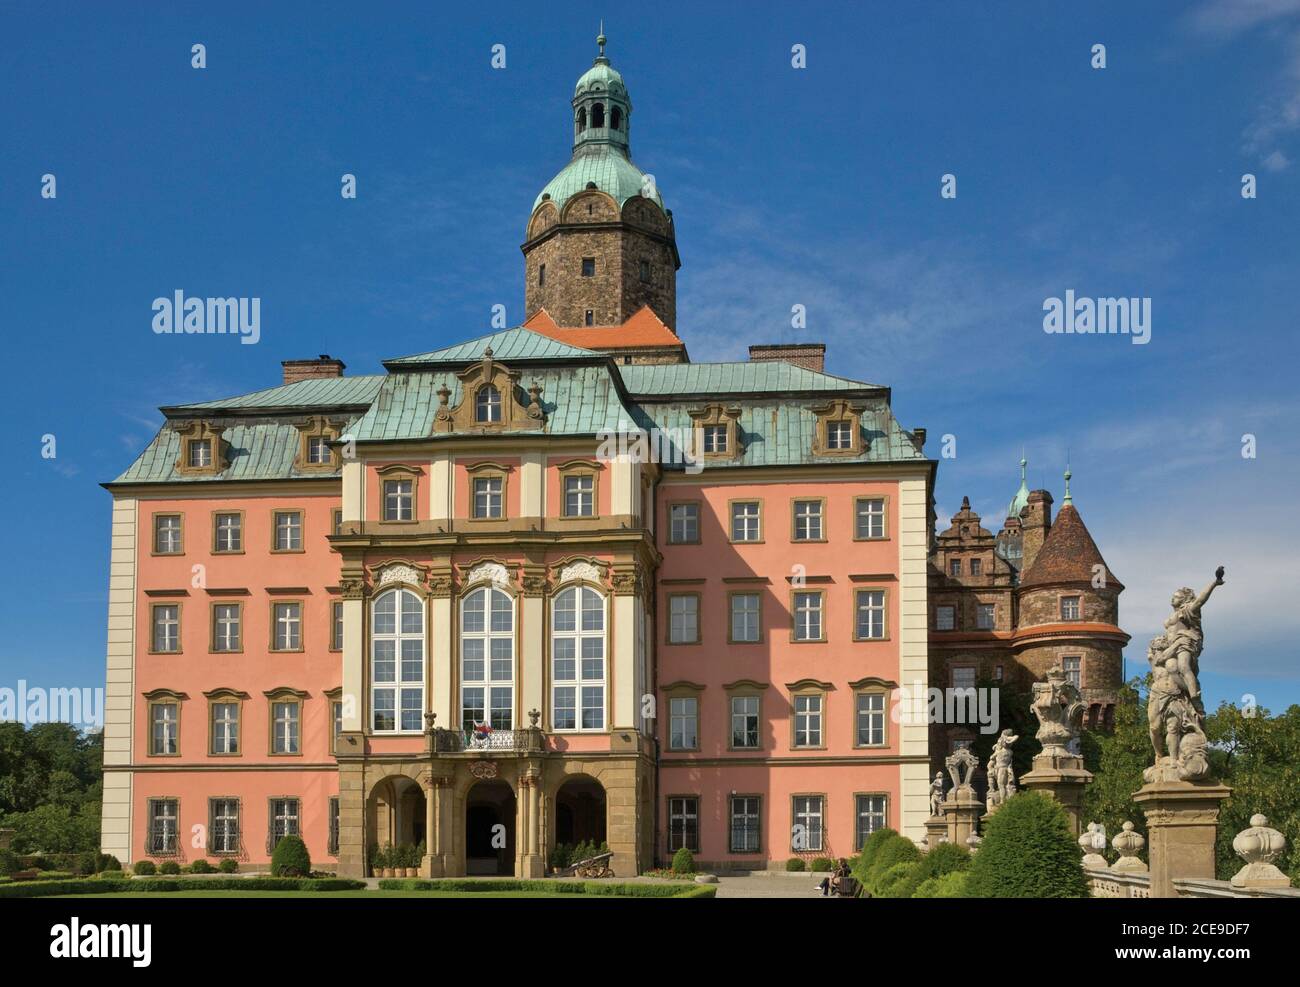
{"points": [[578, 660], [397, 662], [487, 659], [487, 404], [615, 117], [598, 115], [582, 119]]}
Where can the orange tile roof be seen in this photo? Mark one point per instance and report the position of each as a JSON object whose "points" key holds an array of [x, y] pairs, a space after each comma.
{"points": [[644, 328]]}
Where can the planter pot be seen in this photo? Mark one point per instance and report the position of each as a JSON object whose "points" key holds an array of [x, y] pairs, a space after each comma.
{"points": [[412, 872], [386, 872]]}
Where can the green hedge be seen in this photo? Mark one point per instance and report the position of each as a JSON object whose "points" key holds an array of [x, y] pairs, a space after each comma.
{"points": [[1028, 852], [604, 888], [950, 885], [167, 885]]}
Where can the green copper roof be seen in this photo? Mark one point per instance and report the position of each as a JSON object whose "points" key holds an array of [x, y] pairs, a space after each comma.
{"points": [[1021, 498], [606, 167], [765, 377], [508, 344], [601, 76], [323, 392]]}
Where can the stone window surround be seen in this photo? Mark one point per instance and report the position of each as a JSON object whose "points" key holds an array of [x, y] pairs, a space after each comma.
{"points": [[284, 694], [209, 850], [399, 471], [794, 615], [837, 410], [198, 430], [163, 697], [302, 626], [217, 515], [302, 530], [858, 591], [668, 624], [731, 505], [823, 520], [825, 816], [872, 795], [731, 796], [421, 594], [809, 687], [150, 802], [180, 626], [877, 687], [574, 468], [668, 816], [317, 426], [699, 521], [884, 517], [681, 690], [608, 633], [212, 626], [336, 611], [716, 414], [731, 595], [153, 532], [488, 470], [334, 697], [225, 696], [744, 689]]}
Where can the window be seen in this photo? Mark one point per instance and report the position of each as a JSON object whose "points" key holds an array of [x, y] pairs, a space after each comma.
{"points": [[332, 847], [645, 270], [808, 720], [808, 520], [746, 626], [488, 499], [683, 523], [683, 618], [806, 833], [282, 822], [589, 319], [1070, 608], [985, 614], [336, 707], [337, 521], [589, 267], [200, 453], [871, 719], [286, 626], [225, 727], [976, 567], [997, 672], [336, 625], [714, 439], [578, 660], [487, 659], [808, 616], [228, 533], [286, 717], [744, 722], [318, 450], [963, 677], [223, 826], [397, 662], [744, 824], [487, 404], [579, 495], [945, 618], [288, 531], [871, 815], [745, 521], [683, 824], [839, 435], [1073, 668], [164, 719], [541, 276], [167, 628], [226, 620], [870, 520], [167, 534], [871, 615], [683, 723], [954, 567], [399, 500], [163, 826]]}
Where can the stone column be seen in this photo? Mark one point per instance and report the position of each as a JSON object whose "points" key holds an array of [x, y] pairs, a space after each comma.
{"points": [[1182, 822], [1061, 776], [432, 819], [936, 832], [530, 863], [961, 813]]}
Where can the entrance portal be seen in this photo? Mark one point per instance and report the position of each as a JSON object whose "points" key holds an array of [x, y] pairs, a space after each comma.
{"points": [[580, 812], [490, 829]]}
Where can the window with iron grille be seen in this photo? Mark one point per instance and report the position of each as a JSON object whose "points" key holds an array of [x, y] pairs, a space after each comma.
{"points": [[333, 846], [871, 816], [223, 826], [745, 820], [164, 817], [806, 833], [283, 821], [684, 824]]}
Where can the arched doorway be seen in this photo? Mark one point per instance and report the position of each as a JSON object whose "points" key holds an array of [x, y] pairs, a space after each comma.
{"points": [[580, 812], [490, 829], [396, 811]]}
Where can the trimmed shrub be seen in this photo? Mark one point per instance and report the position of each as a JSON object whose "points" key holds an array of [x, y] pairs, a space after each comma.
{"points": [[86, 863], [8, 862], [145, 868], [898, 881], [169, 867], [595, 888], [290, 858], [795, 865], [868, 852], [228, 865], [106, 861], [943, 859], [1027, 852], [201, 866], [950, 885], [822, 864], [683, 862], [891, 850]]}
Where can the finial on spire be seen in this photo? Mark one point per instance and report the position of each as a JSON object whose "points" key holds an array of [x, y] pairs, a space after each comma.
{"points": [[601, 39], [1068, 474]]}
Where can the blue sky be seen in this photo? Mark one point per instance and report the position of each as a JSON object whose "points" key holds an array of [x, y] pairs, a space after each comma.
{"points": [[818, 187]]}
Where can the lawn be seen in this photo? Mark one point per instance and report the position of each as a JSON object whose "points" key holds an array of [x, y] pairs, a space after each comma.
{"points": [[330, 896]]}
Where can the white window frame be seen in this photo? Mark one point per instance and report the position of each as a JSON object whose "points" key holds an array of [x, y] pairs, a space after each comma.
{"points": [[683, 614], [873, 609], [751, 620], [809, 522], [400, 690], [489, 497], [164, 730], [579, 686], [751, 708], [740, 808], [399, 499], [1073, 603], [939, 611], [286, 619], [229, 536], [806, 615], [683, 713], [683, 818], [688, 523], [288, 531], [746, 521], [227, 631], [286, 726], [168, 537], [488, 405], [169, 625], [869, 712], [164, 821], [487, 685], [225, 726], [223, 840], [875, 818], [582, 487], [869, 514], [809, 811]]}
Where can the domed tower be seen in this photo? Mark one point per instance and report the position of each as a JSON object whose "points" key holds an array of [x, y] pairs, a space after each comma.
{"points": [[599, 244]]}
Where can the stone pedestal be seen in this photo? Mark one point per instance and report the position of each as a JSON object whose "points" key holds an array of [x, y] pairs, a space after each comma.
{"points": [[1182, 822], [1061, 776], [961, 813], [936, 831]]}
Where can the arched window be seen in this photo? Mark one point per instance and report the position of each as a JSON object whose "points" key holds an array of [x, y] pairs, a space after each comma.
{"points": [[487, 659], [582, 118], [487, 404], [397, 662], [615, 118], [578, 660], [598, 114]]}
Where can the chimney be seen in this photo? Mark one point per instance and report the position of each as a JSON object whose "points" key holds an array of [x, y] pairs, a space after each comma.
{"points": [[323, 366], [1035, 521], [810, 356]]}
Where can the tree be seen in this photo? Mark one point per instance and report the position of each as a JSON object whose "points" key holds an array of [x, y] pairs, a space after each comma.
{"points": [[1028, 852], [1117, 760], [50, 786]]}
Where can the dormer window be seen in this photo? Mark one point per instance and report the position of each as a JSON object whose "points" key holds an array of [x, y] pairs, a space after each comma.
{"points": [[201, 450], [838, 429], [715, 439], [487, 404], [717, 432], [315, 455], [200, 454], [839, 435], [318, 450]]}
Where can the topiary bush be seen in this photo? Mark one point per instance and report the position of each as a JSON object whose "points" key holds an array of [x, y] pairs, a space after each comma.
{"points": [[821, 864], [683, 862], [228, 865], [1027, 852], [943, 859], [896, 881], [169, 867], [795, 865], [8, 862], [867, 854], [950, 885], [145, 868], [201, 866], [106, 861], [889, 851], [290, 858]]}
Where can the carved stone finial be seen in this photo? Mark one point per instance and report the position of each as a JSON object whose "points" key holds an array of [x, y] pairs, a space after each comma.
{"points": [[429, 720], [961, 765], [534, 715], [1093, 840], [1259, 846], [1059, 707], [1127, 844], [973, 841]]}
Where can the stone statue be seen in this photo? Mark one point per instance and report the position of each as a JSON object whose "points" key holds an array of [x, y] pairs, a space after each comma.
{"points": [[1002, 778], [1059, 707], [936, 794], [1175, 711], [961, 765]]}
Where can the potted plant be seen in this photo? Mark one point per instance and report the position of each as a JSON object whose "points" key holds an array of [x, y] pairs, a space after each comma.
{"points": [[421, 851], [386, 860], [410, 861]]}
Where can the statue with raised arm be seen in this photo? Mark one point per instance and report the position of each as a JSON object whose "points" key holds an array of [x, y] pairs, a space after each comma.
{"points": [[1002, 779], [1175, 710]]}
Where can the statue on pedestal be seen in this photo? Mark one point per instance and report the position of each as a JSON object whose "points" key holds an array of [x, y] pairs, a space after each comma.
{"points": [[1002, 778], [936, 794], [1175, 710], [961, 765], [1059, 707]]}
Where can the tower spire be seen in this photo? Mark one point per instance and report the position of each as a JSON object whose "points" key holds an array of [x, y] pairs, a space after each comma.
{"points": [[600, 40], [1068, 474]]}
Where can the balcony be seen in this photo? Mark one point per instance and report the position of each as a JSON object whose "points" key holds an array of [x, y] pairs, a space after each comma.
{"points": [[528, 740]]}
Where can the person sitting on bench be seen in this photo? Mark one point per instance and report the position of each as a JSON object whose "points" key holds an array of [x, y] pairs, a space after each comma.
{"points": [[832, 884]]}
